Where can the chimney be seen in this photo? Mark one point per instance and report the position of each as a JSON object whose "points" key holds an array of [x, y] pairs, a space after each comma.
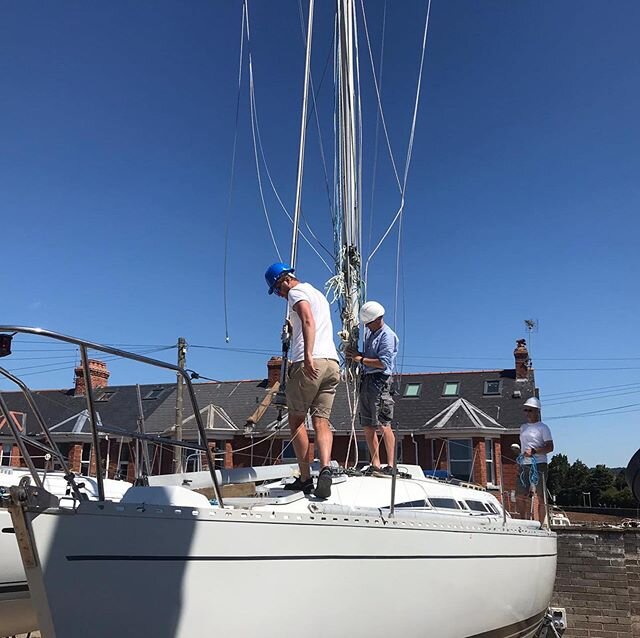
{"points": [[273, 371], [99, 377], [523, 363]]}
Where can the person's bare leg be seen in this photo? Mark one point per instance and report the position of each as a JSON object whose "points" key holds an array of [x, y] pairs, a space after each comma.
{"points": [[300, 440], [373, 444], [389, 443], [324, 440]]}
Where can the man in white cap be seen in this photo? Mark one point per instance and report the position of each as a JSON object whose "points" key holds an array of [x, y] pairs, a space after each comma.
{"points": [[376, 403], [535, 443]]}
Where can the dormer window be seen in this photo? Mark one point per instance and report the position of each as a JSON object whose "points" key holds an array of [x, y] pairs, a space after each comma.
{"points": [[492, 387], [105, 395], [451, 389], [154, 393], [412, 390]]}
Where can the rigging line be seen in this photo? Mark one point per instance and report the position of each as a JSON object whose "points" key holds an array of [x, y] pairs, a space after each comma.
{"points": [[231, 182], [380, 109], [284, 208], [411, 139], [377, 136], [253, 134], [303, 135], [315, 109]]}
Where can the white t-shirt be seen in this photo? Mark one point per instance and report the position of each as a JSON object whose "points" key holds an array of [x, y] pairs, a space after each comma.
{"points": [[323, 348], [534, 435]]}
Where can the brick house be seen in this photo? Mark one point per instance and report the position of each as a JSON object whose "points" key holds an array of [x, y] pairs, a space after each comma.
{"points": [[461, 423]]}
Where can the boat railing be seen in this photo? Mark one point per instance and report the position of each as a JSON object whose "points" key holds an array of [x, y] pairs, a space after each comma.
{"points": [[6, 332]]}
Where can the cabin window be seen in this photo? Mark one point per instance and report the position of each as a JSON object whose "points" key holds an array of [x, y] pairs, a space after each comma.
{"points": [[154, 393], [419, 503], [492, 507], [491, 466], [492, 387], [460, 458], [451, 389], [412, 390], [5, 454], [445, 503], [476, 506]]}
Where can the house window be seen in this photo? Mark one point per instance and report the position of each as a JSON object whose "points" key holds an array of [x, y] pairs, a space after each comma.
{"points": [[451, 389], [85, 462], [363, 453], [105, 395], [492, 387], [5, 454], [412, 390], [123, 461], [460, 458], [491, 466], [154, 394], [288, 453]]}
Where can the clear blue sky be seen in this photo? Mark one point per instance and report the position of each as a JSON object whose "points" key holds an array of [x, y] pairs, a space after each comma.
{"points": [[117, 132]]}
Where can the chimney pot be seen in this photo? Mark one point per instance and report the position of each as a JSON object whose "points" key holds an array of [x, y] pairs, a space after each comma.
{"points": [[273, 371], [97, 372]]}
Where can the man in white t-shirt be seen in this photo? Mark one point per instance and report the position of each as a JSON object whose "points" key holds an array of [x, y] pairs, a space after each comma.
{"points": [[313, 376], [535, 443]]}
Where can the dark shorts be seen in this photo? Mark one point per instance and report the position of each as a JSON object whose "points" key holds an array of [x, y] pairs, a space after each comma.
{"points": [[376, 402], [524, 486]]}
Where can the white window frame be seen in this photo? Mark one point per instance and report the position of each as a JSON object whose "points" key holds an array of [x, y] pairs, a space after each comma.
{"points": [[490, 461], [470, 460], [85, 462], [5, 454], [447, 383]]}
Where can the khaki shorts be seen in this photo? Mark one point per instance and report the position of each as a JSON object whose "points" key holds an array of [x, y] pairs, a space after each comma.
{"points": [[317, 395], [524, 487]]}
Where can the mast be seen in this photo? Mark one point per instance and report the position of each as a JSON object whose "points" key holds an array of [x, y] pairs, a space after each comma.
{"points": [[348, 203]]}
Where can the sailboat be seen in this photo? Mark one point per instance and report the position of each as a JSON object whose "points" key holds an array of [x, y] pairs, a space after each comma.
{"points": [[402, 555]]}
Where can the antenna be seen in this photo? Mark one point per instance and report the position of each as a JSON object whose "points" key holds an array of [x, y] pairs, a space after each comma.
{"points": [[532, 326]]}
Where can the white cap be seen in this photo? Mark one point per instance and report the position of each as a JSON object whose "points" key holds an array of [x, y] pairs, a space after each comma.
{"points": [[533, 402], [370, 311]]}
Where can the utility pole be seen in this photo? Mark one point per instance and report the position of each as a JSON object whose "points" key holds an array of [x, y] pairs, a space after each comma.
{"points": [[182, 362]]}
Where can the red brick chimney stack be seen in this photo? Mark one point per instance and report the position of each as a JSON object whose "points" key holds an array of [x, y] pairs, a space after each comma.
{"points": [[523, 363], [99, 377], [273, 371]]}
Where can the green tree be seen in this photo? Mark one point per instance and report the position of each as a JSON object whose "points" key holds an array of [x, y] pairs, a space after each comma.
{"points": [[577, 482], [557, 480], [601, 479]]}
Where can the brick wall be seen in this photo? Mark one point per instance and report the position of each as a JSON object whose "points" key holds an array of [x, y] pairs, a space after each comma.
{"points": [[598, 582]]}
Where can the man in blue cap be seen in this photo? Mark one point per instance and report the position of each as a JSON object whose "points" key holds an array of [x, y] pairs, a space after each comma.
{"points": [[314, 373]]}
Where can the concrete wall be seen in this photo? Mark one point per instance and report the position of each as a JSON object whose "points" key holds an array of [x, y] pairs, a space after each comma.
{"points": [[598, 581]]}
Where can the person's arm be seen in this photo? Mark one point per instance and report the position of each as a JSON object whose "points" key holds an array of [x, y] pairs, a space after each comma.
{"points": [[380, 362], [547, 445], [303, 308]]}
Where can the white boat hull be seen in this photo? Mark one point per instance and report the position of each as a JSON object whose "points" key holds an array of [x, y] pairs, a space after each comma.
{"points": [[17, 614], [114, 570]]}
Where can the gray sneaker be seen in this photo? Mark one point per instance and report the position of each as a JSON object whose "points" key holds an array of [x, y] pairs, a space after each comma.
{"points": [[323, 487]]}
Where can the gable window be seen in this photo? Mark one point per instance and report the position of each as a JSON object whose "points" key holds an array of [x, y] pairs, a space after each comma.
{"points": [[460, 458], [5, 454], [451, 389], [492, 387], [412, 390], [154, 393], [491, 466]]}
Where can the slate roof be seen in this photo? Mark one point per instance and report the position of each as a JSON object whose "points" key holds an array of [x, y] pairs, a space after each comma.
{"points": [[226, 406], [66, 414]]}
